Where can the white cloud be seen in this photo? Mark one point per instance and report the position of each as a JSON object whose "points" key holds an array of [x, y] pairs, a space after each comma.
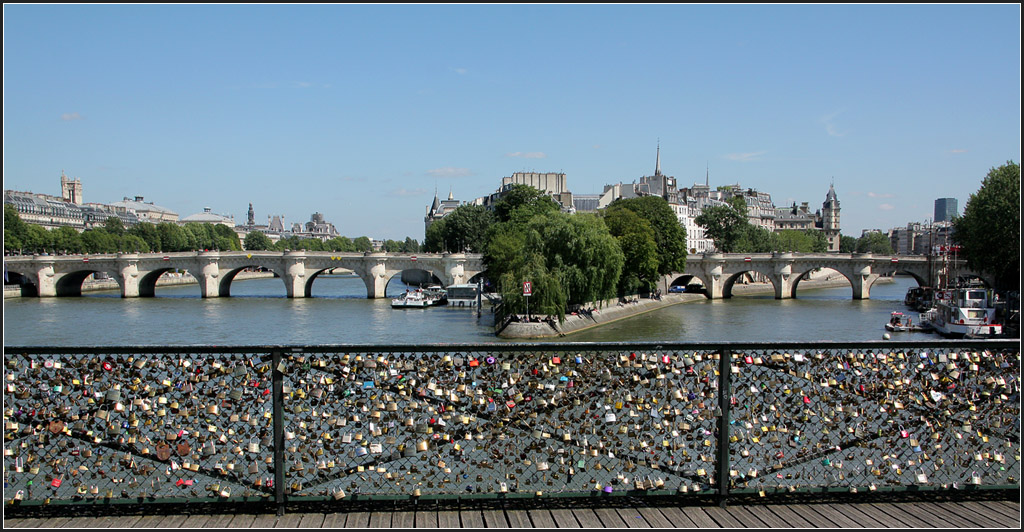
{"points": [[830, 126], [450, 171], [877, 195], [67, 117], [958, 151], [460, 71], [885, 207], [403, 192], [527, 155], [753, 156]]}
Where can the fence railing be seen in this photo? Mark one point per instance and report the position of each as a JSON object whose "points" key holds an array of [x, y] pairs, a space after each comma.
{"points": [[277, 424]]}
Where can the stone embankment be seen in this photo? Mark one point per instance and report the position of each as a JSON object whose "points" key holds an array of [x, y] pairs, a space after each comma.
{"points": [[613, 310]]}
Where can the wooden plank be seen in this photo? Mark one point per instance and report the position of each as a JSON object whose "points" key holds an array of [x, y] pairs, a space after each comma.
{"points": [[426, 519], [792, 518], [255, 521], [586, 518], [992, 514], [288, 521], [218, 520], [654, 518], [494, 519], [941, 514], [875, 514], [147, 521], [172, 521], [358, 520], [547, 519], [697, 516], [676, 517], [955, 514], [810, 514], [767, 517], [722, 517], [403, 519], [998, 507], [901, 515], [745, 516], [380, 519], [609, 518], [312, 520], [55, 522], [335, 520], [448, 519], [857, 515], [829, 511], [472, 519], [979, 515], [29, 522], [518, 518], [191, 521], [632, 518]]}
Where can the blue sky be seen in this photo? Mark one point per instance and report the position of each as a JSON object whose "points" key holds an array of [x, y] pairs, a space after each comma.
{"points": [[360, 111]]}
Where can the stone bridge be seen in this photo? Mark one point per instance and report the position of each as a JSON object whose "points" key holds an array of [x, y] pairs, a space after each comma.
{"points": [[136, 273], [719, 271]]}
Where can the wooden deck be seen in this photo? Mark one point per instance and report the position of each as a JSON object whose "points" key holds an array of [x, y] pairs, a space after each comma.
{"points": [[966, 514]]}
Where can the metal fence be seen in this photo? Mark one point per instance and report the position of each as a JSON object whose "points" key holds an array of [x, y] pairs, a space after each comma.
{"points": [[278, 424]]}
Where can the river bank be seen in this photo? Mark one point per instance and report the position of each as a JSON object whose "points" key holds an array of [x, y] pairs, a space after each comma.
{"points": [[613, 310]]}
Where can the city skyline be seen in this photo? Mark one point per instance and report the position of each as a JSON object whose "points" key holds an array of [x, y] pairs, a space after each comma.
{"points": [[361, 112]]}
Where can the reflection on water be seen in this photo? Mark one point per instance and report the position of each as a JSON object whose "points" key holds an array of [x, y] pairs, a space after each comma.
{"points": [[258, 312]]}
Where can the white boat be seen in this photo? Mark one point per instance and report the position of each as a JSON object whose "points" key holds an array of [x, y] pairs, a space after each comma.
{"points": [[900, 323], [421, 298], [463, 295], [964, 312]]}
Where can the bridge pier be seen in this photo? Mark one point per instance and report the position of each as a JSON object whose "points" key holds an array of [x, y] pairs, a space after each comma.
{"points": [[783, 276], [46, 279], [714, 279], [129, 275], [376, 277], [209, 274], [295, 275]]}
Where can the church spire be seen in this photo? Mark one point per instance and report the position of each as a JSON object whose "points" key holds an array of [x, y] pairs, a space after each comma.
{"points": [[657, 164]]}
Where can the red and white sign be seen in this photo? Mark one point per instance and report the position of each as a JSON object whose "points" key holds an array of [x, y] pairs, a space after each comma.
{"points": [[527, 288], [746, 259]]}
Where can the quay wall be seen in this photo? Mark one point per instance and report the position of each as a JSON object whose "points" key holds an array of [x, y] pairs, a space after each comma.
{"points": [[611, 310]]}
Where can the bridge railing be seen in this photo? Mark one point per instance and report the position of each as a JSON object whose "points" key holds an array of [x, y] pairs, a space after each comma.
{"points": [[280, 424]]}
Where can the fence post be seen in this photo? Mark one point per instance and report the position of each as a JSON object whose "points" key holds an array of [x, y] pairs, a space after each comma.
{"points": [[277, 383], [724, 396]]}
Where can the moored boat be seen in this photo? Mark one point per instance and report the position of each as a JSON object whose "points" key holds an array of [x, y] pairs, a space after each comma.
{"points": [[421, 298], [898, 322], [964, 312]]}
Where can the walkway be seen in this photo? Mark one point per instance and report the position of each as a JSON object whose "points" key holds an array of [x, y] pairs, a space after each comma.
{"points": [[965, 514]]}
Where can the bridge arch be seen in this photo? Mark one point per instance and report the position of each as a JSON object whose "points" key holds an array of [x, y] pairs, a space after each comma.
{"points": [[70, 284], [27, 285], [730, 281]]}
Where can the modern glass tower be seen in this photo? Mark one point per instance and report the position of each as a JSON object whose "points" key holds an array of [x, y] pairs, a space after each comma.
{"points": [[945, 209]]}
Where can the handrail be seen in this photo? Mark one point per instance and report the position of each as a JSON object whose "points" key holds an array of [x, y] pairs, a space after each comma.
{"points": [[290, 423]]}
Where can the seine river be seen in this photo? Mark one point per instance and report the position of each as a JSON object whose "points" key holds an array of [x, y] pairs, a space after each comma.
{"points": [[339, 313]]}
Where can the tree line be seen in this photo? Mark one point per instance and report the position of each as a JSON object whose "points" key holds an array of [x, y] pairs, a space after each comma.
{"points": [[165, 237]]}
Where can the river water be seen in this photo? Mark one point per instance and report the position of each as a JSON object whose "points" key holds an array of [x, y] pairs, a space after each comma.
{"points": [[258, 313]]}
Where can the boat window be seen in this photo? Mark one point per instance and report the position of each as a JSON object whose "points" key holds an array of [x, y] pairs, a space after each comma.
{"points": [[976, 314], [976, 294]]}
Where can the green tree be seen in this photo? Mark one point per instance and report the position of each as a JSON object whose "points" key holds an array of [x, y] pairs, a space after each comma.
{"points": [[363, 244], [98, 240], [876, 243], [341, 244], [989, 230], [172, 237], [15, 229], [669, 234], [724, 225], [225, 238], [114, 226], [640, 252], [523, 202], [133, 243], [68, 240], [412, 246], [465, 228], [148, 233], [753, 239], [847, 244], [38, 239], [433, 239], [257, 241]]}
